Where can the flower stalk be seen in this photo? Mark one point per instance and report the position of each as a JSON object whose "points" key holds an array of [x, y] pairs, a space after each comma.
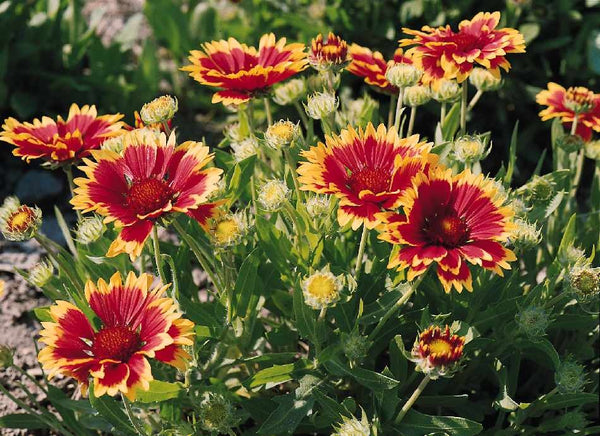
{"points": [[361, 251], [409, 403]]}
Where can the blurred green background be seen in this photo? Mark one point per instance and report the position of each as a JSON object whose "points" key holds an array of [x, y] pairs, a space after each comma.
{"points": [[120, 54]]}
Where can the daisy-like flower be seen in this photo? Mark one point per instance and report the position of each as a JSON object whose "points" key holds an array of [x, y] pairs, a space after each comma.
{"points": [[444, 54], [135, 323], [437, 352], [242, 71], [61, 141], [567, 103], [368, 170], [328, 54], [372, 66], [452, 221], [152, 177], [19, 222], [322, 288]]}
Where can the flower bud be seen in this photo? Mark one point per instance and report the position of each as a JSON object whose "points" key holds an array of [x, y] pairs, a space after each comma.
{"points": [[525, 235], [351, 426], [289, 92], [234, 132], [403, 75], [572, 255], [533, 321], [273, 195], [41, 273], [322, 288], [114, 144], [592, 149], [584, 282], [159, 110], [417, 95], [540, 189], [437, 352], [321, 105], [318, 206], [6, 356], [282, 134], [19, 222], [355, 345], [245, 148], [483, 80], [89, 230], [574, 420], [446, 91], [216, 413], [570, 377], [570, 143], [331, 54], [229, 229], [468, 149], [518, 206]]}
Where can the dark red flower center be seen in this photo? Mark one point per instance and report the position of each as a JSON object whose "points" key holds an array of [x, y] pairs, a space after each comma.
{"points": [[118, 343], [148, 195], [374, 180], [447, 230], [465, 42]]}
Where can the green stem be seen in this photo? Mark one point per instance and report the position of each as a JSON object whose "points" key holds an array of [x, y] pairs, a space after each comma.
{"points": [[554, 300], [157, 258], [463, 108], [412, 399], [292, 214], [411, 121], [390, 119], [166, 127], [395, 307], [30, 377], [322, 314], [268, 111], [361, 251], [443, 113], [574, 124], [68, 169], [475, 99], [292, 165], [302, 115], [250, 114], [132, 418], [399, 109]]}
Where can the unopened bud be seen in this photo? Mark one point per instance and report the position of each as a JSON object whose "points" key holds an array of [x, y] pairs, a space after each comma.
{"points": [[318, 206], [159, 110], [289, 92], [403, 75], [41, 273], [570, 143], [89, 229], [321, 105], [273, 195], [483, 80], [525, 235], [468, 149], [282, 134], [216, 413], [592, 149], [446, 91], [351, 426], [417, 95], [245, 148], [533, 321], [540, 189], [229, 229], [584, 282], [355, 346], [570, 377], [322, 288], [114, 144]]}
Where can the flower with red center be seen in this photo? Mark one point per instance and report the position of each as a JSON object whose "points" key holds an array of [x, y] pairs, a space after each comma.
{"points": [[372, 66], [135, 323], [332, 53], [567, 103], [367, 170], [61, 141], [450, 220], [444, 54], [19, 222], [149, 179], [437, 352], [244, 72]]}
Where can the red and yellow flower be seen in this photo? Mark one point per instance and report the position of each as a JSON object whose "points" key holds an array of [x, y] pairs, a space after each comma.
{"points": [[452, 221], [368, 170], [61, 141], [372, 66], [244, 71], [567, 103], [444, 54], [437, 352], [136, 323], [332, 53], [151, 178]]}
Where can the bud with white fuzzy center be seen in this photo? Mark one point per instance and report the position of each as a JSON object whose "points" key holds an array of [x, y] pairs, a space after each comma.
{"points": [[321, 104], [403, 75]]}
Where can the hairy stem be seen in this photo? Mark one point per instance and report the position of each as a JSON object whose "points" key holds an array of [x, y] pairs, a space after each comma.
{"points": [[361, 251], [399, 109], [463, 109], [412, 399], [157, 258]]}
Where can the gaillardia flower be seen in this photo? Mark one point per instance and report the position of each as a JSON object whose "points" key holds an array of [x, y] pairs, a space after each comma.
{"points": [[450, 220], [152, 177], [135, 323], [19, 222], [567, 103], [243, 71], [368, 170], [437, 352], [444, 54], [61, 141], [372, 66], [332, 53]]}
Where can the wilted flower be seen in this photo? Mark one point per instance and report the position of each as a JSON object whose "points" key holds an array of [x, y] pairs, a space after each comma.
{"points": [[282, 134], [570, 143], [289, 92], [228, 229], [570, 377], [321, 105], [483, 80], [6, 356], [216, 413], [351, 426], [445, 91], [468, 149], [245, 148], [437, 352], [417, 95], [322, 288], [273, 195], [592, 149], [89, 229], [584, 282], [403, 75], [41, 273], [533, 321], [19, 222], [328, 54], [159, 110], [525, 235]]}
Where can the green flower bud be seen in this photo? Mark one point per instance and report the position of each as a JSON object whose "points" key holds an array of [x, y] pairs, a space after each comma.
{"points": [[403, 75], [318, 206], [417, 95], [574, 420], [321, 105], [584, 282], [282, 134], [483, 80], [570, 377], [216, 413], [573, 255], [89, 229], [159, 110], [446, 91], [41, 273], [540, 189], [229, 229], [245, 148], [468, 149], [355, 346], [570, 143], [289, 92], [273, 195], [533, 321], [525, 235]]}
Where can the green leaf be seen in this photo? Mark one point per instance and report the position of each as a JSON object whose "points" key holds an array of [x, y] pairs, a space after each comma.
{"points": [[240, 178], [530, 31], [159, 391], [22, 420], [332, 408], [373, 380], [42, 313], [542, 345], [111, 411], [512, 155], [569, 234], [245, 285], [287, 416], [278, 374], [305, 317], [375, 310], [419, 424], [451, 122]]}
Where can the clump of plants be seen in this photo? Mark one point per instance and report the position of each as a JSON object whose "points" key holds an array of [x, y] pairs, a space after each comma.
{"points": [[335, 272]]}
